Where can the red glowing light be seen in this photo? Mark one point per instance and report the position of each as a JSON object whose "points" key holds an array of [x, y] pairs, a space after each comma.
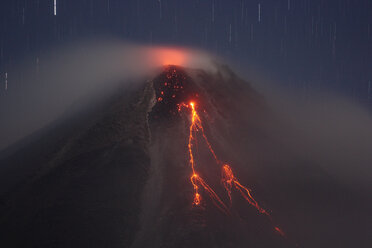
{"points": [[279, 231], [170, 56]]}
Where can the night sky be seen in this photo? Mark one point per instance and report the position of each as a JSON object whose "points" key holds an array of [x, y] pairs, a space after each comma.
{"points": [[306, 44]]}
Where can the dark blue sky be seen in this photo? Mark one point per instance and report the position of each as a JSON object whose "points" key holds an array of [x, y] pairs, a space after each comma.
{"points": [[301, 43]]}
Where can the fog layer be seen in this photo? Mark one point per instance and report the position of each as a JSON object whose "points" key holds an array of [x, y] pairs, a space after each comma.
{"points": [[42, 87]]}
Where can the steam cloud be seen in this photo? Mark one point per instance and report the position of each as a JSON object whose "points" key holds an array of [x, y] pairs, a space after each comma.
{"points": [[41, 89], [337, 135], [330, 130]]}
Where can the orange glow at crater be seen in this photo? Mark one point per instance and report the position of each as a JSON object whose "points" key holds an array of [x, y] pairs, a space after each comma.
{"points": [[170, 56]]}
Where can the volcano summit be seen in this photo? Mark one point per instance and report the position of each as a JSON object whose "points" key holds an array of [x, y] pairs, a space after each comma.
{"points": [[187, 159]]}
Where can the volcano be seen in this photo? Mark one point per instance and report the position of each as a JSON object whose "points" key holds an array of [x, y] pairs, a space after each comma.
{"points": [[187, 159]]}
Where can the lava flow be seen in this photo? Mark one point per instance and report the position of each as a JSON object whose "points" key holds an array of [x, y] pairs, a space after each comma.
{"points": [[228, 180], [195, 178]]}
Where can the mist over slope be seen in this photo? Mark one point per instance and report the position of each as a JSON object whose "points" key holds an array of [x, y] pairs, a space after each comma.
{"points": [[330, 129], [76, 76]]}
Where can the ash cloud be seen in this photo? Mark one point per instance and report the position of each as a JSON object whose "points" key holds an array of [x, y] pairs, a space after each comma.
{"points": [[42, 87], [329, 130]]}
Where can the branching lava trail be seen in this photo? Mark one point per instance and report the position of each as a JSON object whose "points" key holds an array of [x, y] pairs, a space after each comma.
{"points": [[196, 180], [228, 179]]}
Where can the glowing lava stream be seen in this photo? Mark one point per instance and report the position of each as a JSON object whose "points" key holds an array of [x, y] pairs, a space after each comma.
{"points": [[195, 178], [229, 181]]}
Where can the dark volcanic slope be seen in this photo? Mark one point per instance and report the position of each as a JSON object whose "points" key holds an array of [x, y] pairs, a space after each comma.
{"points": [[79, 184], [169, 218], [118, 175]]}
